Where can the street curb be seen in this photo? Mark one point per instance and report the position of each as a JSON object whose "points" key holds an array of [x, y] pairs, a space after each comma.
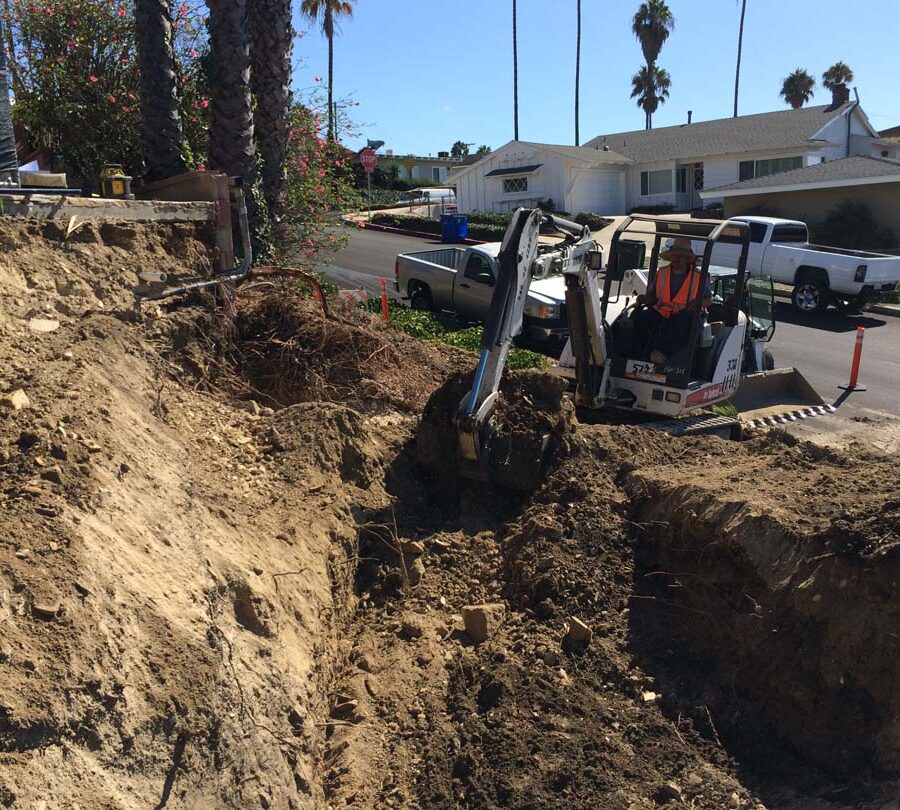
{"points": [[878, 309], [405, 232]]}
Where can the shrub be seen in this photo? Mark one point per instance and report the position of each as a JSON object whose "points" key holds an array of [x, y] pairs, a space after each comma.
{"points": [[74, 79], [593, 221], [850, 224], [662, 208], [714, 211]]}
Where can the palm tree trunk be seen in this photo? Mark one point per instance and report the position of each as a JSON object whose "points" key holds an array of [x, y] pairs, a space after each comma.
{"points": [[737, 71], [515, 76], [577, 64], [161, 133], [231, 116], [329, 27], [271, 40]]}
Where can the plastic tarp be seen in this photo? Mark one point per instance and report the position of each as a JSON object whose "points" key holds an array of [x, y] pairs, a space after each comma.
{"points": [[8, 163]]}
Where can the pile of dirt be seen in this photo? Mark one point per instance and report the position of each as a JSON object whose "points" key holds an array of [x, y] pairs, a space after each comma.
{"points": [[227, 580], [527, 429], [723, 670]]}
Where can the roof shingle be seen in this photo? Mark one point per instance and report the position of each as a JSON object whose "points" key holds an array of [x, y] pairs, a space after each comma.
{"points": [[833, 171], [784, 129]]}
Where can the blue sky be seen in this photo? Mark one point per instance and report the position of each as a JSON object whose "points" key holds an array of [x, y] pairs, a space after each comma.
{"points": [[429, 72]]}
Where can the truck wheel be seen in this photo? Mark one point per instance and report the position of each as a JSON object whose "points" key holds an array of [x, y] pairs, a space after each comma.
{"points": [[421, 299], [768, 360], [809, 297]]}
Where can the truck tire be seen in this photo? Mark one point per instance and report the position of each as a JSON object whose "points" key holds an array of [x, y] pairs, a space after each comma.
{"points": [[809, 297], [420, 299]]}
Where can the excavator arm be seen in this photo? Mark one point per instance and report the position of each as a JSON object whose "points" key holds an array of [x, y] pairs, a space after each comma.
{"points": [[517, 261]]}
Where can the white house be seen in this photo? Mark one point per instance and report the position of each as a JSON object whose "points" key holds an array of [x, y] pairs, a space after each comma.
{"points": [[524, 174], [668, 166]]}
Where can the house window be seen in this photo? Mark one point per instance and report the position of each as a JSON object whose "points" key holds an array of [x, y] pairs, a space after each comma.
{"points": [[515, 185], [681, 180], [748, 169], [659, 182], [436, 174]]}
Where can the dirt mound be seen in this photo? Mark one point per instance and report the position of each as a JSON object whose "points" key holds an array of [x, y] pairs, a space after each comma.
{"points": [[282, 349], [64, 269], [527, 430], [225, 580]]}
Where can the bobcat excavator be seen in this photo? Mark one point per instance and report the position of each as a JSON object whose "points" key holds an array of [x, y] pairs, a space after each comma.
{"points": [[607, 361]]}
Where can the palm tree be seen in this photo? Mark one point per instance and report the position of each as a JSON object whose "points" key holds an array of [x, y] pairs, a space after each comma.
{"points": [[737, 70], [161, 133], [483, 150], [650, 85], [652, 25], [797, 88], [271, 40], [515, 77], [459, 149], [838, 75], [231, 115], [328, 10], [577, 62]]}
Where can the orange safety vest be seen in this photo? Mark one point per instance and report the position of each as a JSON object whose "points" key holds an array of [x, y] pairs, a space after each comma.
{"points": [[667, 304]]}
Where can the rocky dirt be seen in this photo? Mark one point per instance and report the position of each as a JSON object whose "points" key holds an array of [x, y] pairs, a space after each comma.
{"points": [[226, 580]]}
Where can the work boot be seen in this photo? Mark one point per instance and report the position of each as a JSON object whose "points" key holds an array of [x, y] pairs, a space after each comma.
{"points": [[657, 358]]}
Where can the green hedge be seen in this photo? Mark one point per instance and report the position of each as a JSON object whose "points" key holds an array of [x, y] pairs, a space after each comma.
{"points": [[487, 233], [593, 221], [663, 208]]}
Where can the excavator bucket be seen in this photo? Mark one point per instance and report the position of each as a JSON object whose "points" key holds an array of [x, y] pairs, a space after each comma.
{"points": [[777, 397]]}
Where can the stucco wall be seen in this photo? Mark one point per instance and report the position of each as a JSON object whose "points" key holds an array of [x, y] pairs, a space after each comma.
{"points": [[883, 200]]}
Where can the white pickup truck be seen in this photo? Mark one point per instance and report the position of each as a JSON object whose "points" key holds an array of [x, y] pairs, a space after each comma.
{"points": [[462, 280], [820, 275]]}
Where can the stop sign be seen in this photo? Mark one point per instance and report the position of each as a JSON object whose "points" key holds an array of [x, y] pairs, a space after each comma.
{"points": [[369, 159]]}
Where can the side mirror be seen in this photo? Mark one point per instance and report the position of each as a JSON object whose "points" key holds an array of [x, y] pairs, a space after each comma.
{"points": [[485, 278]]}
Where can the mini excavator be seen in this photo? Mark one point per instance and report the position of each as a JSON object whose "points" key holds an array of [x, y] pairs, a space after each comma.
{"points": [[607, 359]]}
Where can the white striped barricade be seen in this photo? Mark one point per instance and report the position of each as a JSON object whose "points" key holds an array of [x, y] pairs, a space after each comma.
{"points": [[353, 296]]}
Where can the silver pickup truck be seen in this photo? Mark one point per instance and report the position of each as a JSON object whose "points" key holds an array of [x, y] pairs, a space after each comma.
{"points": [[461, 280]]}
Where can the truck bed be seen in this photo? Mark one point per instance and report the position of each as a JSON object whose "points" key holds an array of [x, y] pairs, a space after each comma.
{"points": [[445, 257]]}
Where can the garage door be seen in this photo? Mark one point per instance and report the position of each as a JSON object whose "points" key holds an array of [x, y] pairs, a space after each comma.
{"points": [[599, 190]]}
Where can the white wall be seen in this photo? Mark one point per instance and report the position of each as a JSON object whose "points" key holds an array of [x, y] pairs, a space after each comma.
{"points": [[633, 190]]}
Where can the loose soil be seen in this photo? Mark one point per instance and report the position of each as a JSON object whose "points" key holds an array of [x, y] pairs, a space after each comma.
{"points": [[227, 578]]}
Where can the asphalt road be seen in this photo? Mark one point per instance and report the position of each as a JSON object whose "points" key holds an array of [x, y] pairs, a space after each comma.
{"points": [[820, 346]]}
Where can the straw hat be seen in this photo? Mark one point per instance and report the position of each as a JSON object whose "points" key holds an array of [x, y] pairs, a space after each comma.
{"points": [[680, 247]]}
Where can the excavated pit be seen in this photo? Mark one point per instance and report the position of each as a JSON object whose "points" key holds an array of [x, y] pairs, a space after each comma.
{"points": [[228, 581]]}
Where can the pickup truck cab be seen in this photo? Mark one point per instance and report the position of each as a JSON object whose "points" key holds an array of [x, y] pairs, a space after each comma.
{"points": [[462, 280], [820, 275]]}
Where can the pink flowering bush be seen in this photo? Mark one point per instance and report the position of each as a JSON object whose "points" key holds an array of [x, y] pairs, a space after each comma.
{"points": [[74, 80], [319, 185]]}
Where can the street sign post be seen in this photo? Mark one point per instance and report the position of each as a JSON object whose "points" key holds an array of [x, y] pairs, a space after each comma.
{"points": [[369, 161]]}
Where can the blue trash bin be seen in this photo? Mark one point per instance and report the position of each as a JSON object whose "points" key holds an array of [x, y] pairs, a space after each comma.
{"points": [[448, 228], [462, 226]]}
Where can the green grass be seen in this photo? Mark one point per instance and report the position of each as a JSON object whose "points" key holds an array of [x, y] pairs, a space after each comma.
{"points": [[443, 329]]}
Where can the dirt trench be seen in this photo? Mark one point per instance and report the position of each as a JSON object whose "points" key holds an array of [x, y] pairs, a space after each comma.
{"points": [[227, 580]]}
